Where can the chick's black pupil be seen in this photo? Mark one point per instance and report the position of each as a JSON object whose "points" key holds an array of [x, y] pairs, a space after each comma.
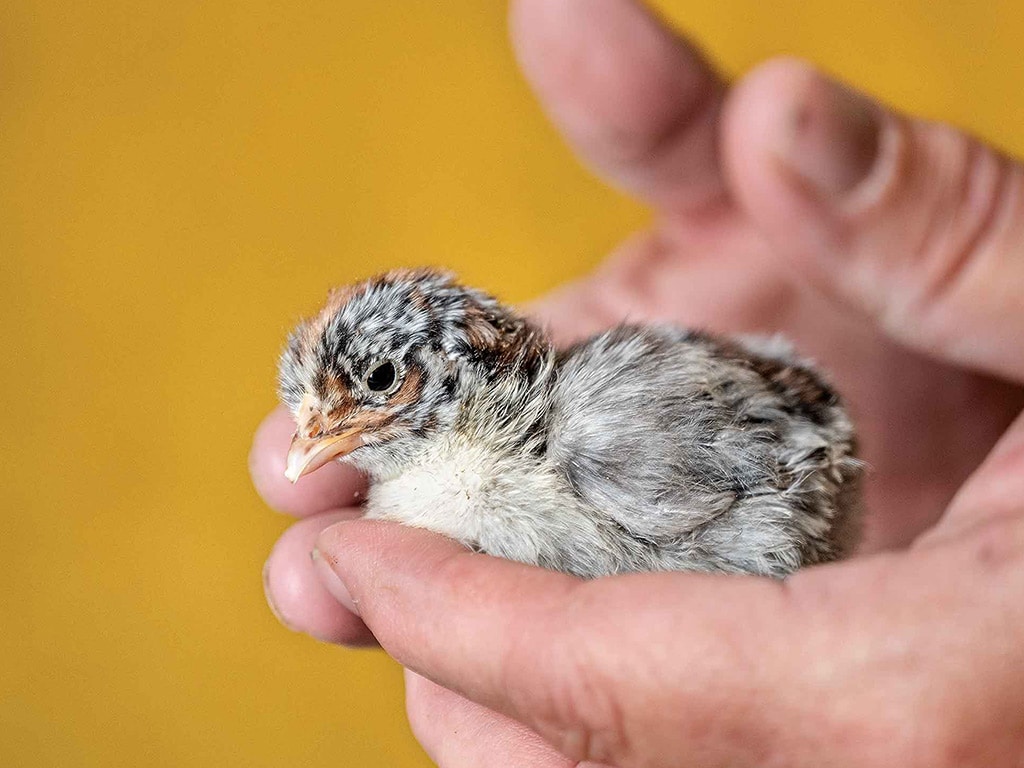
{"points": [[381, 377]]}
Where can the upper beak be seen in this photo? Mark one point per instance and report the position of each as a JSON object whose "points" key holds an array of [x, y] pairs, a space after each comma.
{"points": [[308, 454]]}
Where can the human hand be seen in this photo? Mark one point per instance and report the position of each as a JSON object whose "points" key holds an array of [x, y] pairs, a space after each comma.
{"points": [[852, 663]]}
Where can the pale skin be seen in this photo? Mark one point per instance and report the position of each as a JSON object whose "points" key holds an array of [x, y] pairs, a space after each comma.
{"points": [[889, 249]]}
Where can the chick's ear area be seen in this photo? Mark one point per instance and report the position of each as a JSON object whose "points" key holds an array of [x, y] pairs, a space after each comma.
{"points": [[482, 329], [411, 388]]}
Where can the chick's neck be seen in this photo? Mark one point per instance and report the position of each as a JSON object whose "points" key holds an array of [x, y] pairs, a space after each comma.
{"points": [[505, 400]]}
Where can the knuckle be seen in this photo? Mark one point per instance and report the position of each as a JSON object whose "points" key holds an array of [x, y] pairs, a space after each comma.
{"points": [[577, 707], [593, 721], [965, 187], [938, 235], [646, 144]]}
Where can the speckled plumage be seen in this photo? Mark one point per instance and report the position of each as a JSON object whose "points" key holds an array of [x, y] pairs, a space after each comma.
{"points": [[642, 448]]}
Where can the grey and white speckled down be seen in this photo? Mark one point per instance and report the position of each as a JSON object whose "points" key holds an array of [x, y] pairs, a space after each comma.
{"points": [[641, 449]]}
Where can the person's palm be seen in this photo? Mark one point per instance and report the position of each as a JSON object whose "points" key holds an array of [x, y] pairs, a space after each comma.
{"points": [[885, 249]]}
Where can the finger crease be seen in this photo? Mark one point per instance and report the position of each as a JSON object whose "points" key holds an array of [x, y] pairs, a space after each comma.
{"points": [[654, 145], [998, 198]]}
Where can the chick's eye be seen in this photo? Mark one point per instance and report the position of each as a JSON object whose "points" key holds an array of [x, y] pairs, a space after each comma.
{"points": [[381, 378]]}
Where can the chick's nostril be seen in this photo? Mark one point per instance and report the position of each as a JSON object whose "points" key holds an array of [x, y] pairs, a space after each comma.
{"points": [[308, 417]]}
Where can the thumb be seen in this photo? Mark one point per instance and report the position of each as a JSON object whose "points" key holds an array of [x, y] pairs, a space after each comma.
{"points": [[914, 224], [601, 669]]}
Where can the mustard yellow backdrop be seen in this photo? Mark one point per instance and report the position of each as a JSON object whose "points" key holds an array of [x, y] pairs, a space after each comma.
{"points": [[180, 181]]}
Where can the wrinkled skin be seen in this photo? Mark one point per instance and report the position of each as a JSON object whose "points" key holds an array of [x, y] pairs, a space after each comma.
{"points": [[887, 248]]}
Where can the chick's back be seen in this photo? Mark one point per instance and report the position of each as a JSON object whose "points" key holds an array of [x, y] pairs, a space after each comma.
{"points": [[720, 455]]}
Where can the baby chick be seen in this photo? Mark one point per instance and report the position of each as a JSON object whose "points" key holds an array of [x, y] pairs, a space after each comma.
{"points": [[640, 449]]}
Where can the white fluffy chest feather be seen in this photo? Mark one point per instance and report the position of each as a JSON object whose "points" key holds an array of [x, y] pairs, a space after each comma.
{"points": [[511, 506]]}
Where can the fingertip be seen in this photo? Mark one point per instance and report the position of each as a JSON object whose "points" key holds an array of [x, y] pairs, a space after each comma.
{"points": [[754, 123], [393, 574], [332, 583], [297, 594], [332, 486], [638, 102], [797, 146], [363, 553]]}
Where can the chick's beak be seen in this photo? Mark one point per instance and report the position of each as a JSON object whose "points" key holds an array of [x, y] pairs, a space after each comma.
{"points": [[308, 454]]}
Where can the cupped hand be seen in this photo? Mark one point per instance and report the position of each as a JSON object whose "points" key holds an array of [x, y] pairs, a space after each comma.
{"points": [[887, 248]]}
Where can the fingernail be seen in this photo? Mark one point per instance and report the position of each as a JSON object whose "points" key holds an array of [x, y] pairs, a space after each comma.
{"points": [[268, 594], [832, 138], [334, 585]]}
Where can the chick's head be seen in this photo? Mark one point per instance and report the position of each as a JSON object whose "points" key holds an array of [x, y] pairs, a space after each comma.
{"points": [[387, 364]]}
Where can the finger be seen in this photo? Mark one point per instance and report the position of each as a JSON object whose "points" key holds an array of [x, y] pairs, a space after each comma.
{"points": [[914, 224], [333, 486], [637, 102], [298, 595], [889, 660], [555, 653], [995, 490], [456, 732]]}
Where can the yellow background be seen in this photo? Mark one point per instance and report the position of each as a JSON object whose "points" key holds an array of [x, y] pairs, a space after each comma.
{"points": [[179, 182]]}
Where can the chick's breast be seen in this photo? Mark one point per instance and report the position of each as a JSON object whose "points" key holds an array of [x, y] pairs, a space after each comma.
{"points": [[711, 454]]}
